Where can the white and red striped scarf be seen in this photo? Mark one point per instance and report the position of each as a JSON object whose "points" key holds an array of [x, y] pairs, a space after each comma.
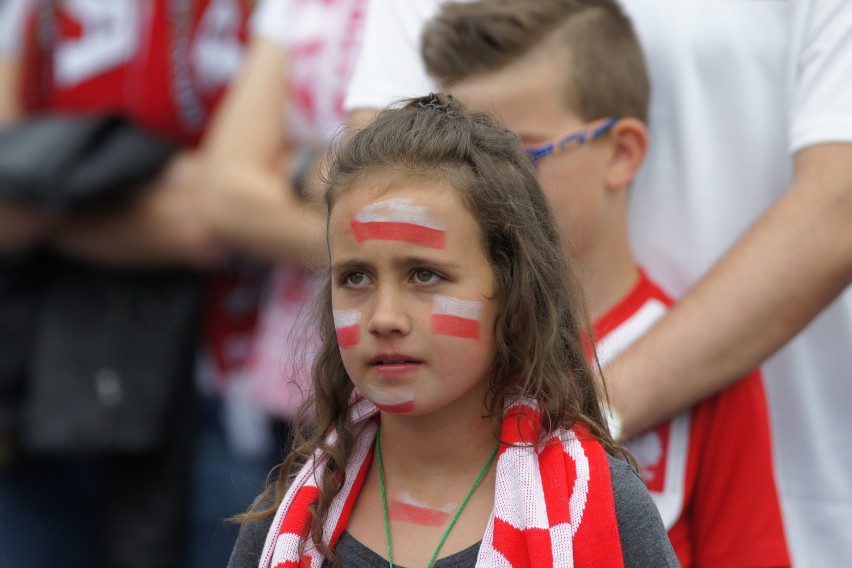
{"points": [[553, 502]]}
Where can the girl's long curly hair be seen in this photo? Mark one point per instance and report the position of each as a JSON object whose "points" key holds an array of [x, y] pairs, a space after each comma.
{"points": [[542, 330]]}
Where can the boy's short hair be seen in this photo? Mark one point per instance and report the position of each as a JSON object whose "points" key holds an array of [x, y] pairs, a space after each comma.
{"points": [[605, 75]]}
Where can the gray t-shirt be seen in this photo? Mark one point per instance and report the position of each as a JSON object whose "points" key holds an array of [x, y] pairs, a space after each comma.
{"points": [[643, 537]]}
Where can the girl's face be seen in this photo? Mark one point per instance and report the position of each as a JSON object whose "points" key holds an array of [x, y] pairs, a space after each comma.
{"points": [[413, 296]]}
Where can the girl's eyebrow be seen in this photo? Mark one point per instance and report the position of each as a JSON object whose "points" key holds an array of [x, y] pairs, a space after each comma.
{"points": [[424, 262], [406, 262], [347, 265]]}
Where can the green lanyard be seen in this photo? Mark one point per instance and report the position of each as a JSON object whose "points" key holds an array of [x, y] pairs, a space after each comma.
{"points": [[455, 518]]}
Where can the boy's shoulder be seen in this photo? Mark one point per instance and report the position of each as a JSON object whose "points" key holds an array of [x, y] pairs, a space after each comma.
{"points": [[631, 316]]}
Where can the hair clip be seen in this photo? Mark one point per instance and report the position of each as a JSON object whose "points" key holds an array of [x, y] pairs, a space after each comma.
{"points": [[433, 102]]}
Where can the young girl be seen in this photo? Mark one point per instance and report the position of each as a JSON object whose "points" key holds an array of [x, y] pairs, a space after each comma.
{"points": [[457, 421]]}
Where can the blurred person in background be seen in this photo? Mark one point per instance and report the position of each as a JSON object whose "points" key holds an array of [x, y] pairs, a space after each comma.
{"points": [[743, 208], [113, 386], [262, 156]]}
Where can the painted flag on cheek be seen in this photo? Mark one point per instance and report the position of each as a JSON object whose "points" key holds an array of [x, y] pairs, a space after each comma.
{"points": [[347, 324], [399, 219], [459, 318]]}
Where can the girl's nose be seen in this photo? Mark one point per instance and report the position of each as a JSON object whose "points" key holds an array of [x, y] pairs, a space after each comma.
{"points": [[389, 315]]}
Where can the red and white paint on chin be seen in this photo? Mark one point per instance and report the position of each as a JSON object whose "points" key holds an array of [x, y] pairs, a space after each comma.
{"points": [[458, 318], [347, 324], [394, 398], [408, 510], [399, 219]]}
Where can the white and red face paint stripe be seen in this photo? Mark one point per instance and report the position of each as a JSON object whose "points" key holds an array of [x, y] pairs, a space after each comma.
{"points": [[347, 324], [459, 318], [399, 219], [407, 509]]}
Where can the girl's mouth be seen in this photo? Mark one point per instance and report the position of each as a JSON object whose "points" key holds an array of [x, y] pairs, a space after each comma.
{"points": [[395, 368]]}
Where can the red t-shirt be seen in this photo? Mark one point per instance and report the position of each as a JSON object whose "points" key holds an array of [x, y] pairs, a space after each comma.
{"points": [[708, 469], [163, 63]]}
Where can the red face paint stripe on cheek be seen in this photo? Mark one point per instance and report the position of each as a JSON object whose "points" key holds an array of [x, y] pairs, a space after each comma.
{"points": [[348, 328], [458, 318], [455, 326], [416, 515], [348, 337]]}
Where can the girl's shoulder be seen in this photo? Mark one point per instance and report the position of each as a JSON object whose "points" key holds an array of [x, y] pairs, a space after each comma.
{"points": [[644, 541], [249, 545]]}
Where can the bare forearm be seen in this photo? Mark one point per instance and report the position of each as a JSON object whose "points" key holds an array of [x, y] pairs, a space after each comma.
{"points": [[250, 124], [793, 262], [247, 200], [258, 213], [22, 226], [10, 105], [120, 240], [162, 226]]}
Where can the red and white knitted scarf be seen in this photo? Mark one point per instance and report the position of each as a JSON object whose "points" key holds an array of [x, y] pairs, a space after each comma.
{"points": [[553, 502]]}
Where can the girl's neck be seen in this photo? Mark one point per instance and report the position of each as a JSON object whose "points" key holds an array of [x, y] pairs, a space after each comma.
{"points": [[430, 449]]}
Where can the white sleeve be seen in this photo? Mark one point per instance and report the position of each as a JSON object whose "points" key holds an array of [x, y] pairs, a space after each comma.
{"points": [[12, 14], [821, 104], [273, 20], [389, 66]]}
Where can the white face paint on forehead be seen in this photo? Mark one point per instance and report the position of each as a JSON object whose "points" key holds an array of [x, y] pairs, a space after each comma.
{"points": [[399, 219]]}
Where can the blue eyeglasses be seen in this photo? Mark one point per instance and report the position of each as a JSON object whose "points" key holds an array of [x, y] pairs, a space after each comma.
{"points": [[587, 133]]}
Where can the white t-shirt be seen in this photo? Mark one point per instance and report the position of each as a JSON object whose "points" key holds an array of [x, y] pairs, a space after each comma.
{"points": [[323, 36], [738, 86]]}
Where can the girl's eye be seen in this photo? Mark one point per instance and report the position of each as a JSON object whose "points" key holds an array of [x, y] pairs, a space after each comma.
{"points": [[425, 277], [356, 279]]}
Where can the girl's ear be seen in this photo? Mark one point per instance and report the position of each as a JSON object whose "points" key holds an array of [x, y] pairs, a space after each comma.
{"points": [[629, 139]]}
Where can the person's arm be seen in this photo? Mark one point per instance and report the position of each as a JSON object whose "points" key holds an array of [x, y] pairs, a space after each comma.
{"points": [[794, 260], [20, 225], [161, 226], [10, 104], [12, 17], [246, 198], [789, 266]]}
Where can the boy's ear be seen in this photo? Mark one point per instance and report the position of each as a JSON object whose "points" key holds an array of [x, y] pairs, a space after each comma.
{"points": [[629, 144]]}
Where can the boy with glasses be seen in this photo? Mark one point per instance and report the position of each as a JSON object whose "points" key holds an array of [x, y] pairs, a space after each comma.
{"points": [[568, 76]]}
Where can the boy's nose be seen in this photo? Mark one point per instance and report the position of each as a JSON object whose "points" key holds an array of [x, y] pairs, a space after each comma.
{"points": [[388, 316]]}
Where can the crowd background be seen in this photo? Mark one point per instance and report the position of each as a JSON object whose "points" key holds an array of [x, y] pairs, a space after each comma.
{"points": [[220, 422], [746, 182]]}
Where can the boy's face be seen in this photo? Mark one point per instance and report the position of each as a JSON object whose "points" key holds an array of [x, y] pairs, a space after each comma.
{"points": [[527, 97]]}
